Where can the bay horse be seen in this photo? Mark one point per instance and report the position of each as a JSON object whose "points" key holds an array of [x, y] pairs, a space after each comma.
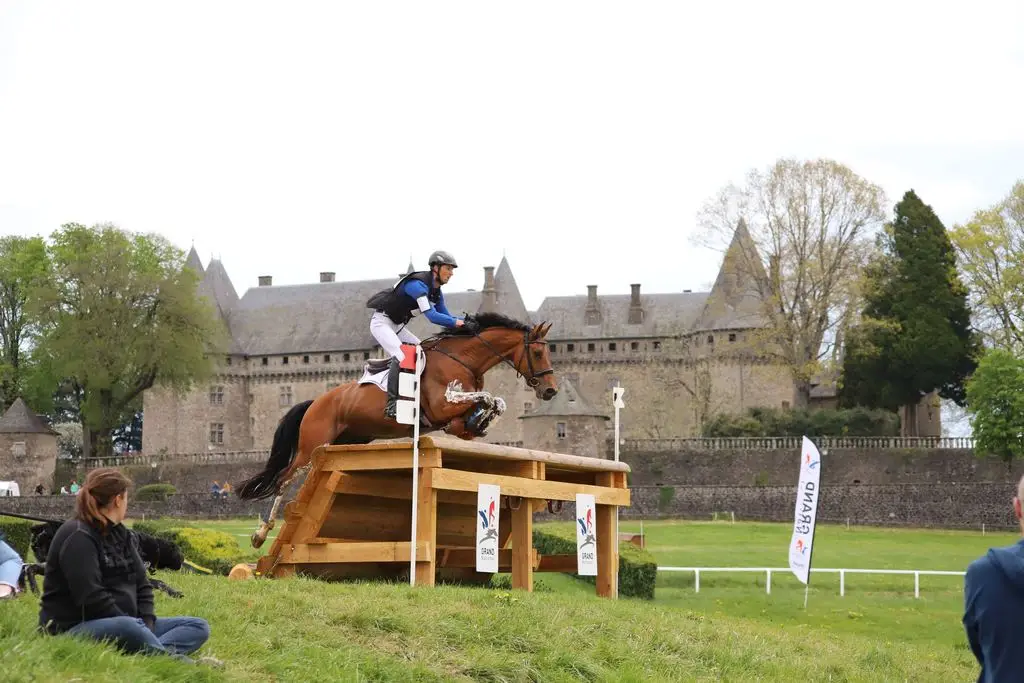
{"points": [[451, 389]]}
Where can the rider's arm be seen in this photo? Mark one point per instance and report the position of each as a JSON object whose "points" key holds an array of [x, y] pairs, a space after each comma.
{"points": [[440, 315]]}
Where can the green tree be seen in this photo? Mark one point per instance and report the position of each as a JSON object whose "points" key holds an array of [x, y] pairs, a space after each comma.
{"points": [[915, 335], [22, 270], [810, 225], [122, 314], [995, 400], [990, 249]]}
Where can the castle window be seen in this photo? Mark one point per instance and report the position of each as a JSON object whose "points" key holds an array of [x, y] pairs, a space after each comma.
{"points": [[560, 430], [527, 406], [732, 336], [633, 346], [611, 346], [285, 397], [228, 360], [711, 339], [552, 347], [284, 361], [785, 405], [347, 357], [216, 395], [327, 358], [217, 432], [305, 359], [590, 347], [657, 345], [265, 361], [570, 347], [366, 355]]}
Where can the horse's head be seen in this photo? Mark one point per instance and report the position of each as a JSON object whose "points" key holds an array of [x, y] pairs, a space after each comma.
{"points": [[522, 346]]}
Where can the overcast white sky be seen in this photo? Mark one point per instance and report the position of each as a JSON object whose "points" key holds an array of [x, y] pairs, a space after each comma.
{"points": [[356, 134]]}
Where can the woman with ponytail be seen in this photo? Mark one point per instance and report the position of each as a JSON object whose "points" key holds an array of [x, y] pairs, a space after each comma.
{"points": [[96, 585]]}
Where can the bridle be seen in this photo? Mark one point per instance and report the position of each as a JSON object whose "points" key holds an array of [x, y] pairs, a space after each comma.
{"points": [[532, 381]]}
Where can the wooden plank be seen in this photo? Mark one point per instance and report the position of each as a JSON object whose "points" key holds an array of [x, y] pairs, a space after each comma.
{"points": [[378, 460], [392, 485], [478, 449], [564, 564], [466, 557], [370, 551], [317, 509], [426, 526], [457, 480]]}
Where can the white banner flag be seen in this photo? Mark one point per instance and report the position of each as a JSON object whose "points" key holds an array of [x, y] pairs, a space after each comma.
{"points": [[488, 509], [806, 510], [586, 535]]}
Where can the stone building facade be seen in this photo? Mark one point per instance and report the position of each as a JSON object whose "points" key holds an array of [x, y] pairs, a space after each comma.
{"points": [[683, 356], [28, 448], [566, 424]]}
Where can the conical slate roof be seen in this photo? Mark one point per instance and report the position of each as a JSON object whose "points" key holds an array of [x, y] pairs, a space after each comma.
{"points": [[568, 402], [735, 299], [194, 262], [19, 419]]}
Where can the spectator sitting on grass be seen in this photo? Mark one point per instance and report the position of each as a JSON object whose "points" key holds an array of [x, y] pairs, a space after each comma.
{"points": [[994, 607], [95, 583]]}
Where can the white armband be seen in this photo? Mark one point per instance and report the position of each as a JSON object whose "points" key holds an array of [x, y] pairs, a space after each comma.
{"points": [[424, 304]]}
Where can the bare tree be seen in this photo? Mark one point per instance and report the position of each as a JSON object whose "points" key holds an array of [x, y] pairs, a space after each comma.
{"points": [[810, 226]]}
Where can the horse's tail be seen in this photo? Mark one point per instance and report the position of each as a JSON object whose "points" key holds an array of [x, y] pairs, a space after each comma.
{"points": [[286, 440]]}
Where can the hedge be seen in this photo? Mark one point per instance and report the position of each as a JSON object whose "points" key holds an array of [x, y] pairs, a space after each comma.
{"points": [[638, 570], [17, 533], [214, 550], [800, 422], [155, 492]]}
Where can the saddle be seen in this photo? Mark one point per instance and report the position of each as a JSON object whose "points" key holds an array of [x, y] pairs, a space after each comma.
{"points": [[375, 365]]}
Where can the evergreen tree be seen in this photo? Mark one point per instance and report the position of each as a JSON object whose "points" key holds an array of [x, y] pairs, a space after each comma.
{"points": [[915, 335]]}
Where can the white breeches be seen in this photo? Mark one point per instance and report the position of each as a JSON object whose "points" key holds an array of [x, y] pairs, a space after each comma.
{"points": [[389, 335]]}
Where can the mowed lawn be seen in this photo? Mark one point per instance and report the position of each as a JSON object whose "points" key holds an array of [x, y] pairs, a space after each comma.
{"points": [[306, 630]]}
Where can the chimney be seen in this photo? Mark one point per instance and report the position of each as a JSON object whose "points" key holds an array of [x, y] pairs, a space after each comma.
{"points": [[266, 280], [489, 300], [592, 313], [636, 311], [326, 277]]}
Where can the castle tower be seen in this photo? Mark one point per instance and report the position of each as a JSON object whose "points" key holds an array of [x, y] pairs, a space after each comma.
{"points": [[735, 300], [28, 448], [566, 424]]}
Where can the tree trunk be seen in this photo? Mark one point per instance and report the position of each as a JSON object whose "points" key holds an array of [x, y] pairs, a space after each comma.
{"points": [[96, 443], [908, 421], [802, 394]]}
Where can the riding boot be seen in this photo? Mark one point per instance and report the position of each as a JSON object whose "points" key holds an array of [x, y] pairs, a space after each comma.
{"points": [[391, 409]]}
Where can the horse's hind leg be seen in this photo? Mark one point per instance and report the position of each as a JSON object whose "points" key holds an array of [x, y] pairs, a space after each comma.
{"points": [[260, 535]]}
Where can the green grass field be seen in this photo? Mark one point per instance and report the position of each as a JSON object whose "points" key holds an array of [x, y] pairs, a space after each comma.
{"points": [[731, 630]]}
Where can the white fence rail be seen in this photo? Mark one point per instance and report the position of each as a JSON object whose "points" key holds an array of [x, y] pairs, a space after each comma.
{"points": [[918, 573]]}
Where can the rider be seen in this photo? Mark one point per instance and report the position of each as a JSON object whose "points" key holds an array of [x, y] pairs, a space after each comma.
{"points": [[416, 293]]}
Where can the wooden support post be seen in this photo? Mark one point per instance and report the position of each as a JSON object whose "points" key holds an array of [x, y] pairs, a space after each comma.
{"points": [[607, 548], [522, 546], [522, 533], [426, 526]]}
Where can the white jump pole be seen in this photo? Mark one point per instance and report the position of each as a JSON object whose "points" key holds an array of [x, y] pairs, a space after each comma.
{"points": [[415, 466], [617, 393]]}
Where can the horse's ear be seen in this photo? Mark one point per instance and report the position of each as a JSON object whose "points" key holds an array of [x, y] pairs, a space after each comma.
{"points": [[544, 328]]}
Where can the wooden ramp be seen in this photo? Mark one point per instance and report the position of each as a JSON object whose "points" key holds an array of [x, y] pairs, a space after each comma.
{"points": [[353, 515]]}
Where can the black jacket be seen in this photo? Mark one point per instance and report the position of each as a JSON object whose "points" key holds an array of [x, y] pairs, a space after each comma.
{"points": [[398, 305], [90, 575]]}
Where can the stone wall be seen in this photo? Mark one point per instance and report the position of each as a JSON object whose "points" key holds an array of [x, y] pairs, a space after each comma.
{"points": [[196, 506], [852, 466]]}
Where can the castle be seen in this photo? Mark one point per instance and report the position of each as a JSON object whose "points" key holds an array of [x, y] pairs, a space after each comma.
{"points": [[681, 356]]}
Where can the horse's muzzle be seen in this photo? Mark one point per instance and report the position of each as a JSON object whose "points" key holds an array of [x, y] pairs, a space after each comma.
{"points": [[549, 393]]}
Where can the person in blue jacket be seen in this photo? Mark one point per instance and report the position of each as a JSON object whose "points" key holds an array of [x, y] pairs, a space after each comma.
{"points": [[994, 607], [415, 294]]}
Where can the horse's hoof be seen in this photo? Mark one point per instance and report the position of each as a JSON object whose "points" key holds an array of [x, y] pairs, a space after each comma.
{"points": [[256, 539]]}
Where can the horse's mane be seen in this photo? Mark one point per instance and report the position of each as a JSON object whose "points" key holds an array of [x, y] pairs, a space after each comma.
{"points": [[485, 321]]}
